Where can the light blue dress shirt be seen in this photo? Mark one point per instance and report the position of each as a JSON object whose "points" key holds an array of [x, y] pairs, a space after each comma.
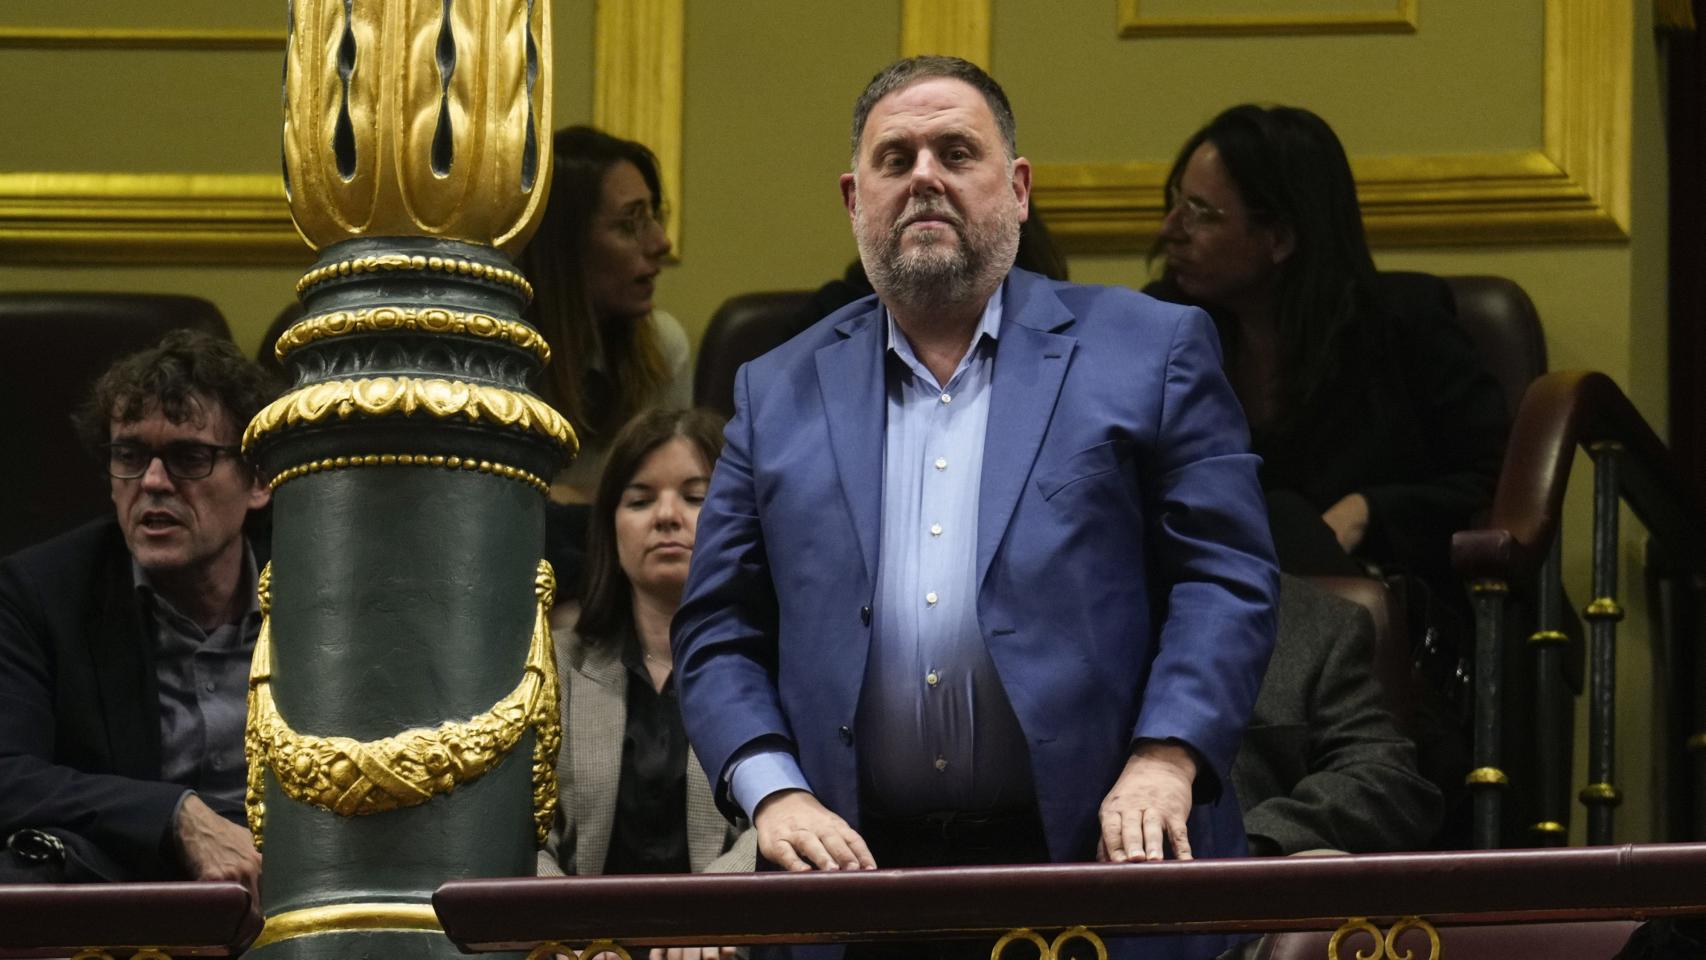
{"points": [[936, 731]]}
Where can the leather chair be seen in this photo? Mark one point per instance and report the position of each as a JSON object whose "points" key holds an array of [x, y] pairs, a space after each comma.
{"points": [[1577, 940], [1501, 319], [744, 328], [54, 346]]}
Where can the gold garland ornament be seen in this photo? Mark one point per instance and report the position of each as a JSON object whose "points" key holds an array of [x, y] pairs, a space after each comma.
{"points": [[354, 778], [1047, 950], [1385, 947], [340, 323], [406, 396]]}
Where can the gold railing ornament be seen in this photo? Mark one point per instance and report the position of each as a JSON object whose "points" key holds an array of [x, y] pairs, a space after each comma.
{"points": [[553, 950], [408, 397], [1384, 946], [1046, 949], [418, 118], [355, 778]]}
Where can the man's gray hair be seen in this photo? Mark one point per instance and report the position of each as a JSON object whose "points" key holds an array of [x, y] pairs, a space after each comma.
{"points": [[904, 73]]}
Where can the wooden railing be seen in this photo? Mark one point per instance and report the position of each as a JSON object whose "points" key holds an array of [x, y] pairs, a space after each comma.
{"points": [[146, 920], [1343, 894], [1517, 553]]}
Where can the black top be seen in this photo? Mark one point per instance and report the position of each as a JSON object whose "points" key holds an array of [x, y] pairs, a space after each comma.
{"points": [[650, 832], [1414, 423]]}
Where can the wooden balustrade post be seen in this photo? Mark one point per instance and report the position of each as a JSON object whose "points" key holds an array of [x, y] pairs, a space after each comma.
{"points": [[1487, 781], [1601, 795], [1552, 713]]}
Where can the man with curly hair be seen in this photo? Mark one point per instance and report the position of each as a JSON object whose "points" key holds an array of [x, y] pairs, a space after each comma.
{"points": [[125, 643]]}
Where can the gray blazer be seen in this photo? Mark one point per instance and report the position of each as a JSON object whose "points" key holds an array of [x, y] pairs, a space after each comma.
{"points": [[1323, 765], [594, 690]]}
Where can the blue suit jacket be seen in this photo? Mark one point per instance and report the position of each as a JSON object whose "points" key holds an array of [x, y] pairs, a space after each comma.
{"points": [[1125, 569]]}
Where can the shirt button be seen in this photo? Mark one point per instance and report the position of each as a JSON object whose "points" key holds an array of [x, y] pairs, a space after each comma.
{"points": [[941, 764], [947, 398], [941, 463], [935, 529], [208, 686], [865, 616], [932, 678], [846, 735], [930, 598]]}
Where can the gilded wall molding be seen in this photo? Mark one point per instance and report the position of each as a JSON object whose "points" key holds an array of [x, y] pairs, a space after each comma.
{"points": [[436, 320], [638, 75], [137, 38], [959, 28], [1575, 188], [1133, 22]]}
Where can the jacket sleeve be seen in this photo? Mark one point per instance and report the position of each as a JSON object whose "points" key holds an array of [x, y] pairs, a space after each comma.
{"points": [[1361, 792], [1212, 562], [724, 634], [1459, 414], [130, 819]]}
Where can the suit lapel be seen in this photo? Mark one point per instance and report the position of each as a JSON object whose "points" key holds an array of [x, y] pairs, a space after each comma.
{"points": [[850, 377], [123, 655], [1030, 365], [598, 690]]}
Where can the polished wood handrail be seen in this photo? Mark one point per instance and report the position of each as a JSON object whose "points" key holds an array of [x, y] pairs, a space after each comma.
{"points": [[1283, 893], [179, 919], [1561, 412]]}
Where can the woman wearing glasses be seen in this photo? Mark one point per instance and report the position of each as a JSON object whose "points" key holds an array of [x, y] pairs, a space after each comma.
{"points": [[594, 266], [1380, 432]]}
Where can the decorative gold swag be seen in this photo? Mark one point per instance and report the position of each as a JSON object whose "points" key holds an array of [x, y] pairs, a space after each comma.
{"points": [[355, 778]]}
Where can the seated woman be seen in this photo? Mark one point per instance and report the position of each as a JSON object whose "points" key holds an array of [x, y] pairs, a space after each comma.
{"points": [[594, 264], [1380, 432], [633, 799]]}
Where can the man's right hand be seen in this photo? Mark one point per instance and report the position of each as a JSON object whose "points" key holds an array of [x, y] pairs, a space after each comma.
{"points": [[796, 832], [213, 848]]}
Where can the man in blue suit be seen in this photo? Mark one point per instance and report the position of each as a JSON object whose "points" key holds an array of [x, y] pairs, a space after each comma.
{"points": [[983, 575]]}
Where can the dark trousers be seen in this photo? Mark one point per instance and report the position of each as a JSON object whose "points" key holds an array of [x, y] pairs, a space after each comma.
{"points": [[948, 840]]}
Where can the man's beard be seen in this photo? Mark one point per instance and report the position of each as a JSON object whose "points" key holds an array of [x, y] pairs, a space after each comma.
{"points": [[938, 272]]}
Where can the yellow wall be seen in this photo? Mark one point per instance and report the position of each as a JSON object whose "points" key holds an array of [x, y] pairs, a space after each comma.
{"points": [[768, 90]]}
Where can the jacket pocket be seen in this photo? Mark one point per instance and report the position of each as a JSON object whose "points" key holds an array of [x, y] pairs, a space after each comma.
{"points": [[1103, 458]]}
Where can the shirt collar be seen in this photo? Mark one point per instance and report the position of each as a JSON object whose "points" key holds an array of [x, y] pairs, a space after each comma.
{"points": [[146, 590], [989, 325]]}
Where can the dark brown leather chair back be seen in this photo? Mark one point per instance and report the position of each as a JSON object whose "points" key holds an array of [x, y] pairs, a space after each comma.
{"points": [[52, 347], [1499, 317], [744, 328], [1579, 940]]}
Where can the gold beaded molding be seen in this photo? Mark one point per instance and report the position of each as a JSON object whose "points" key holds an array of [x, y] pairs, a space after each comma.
{"points": [[391, 262], [406, 396], [426, 319], [552, 949], [411, 460], [355, 778], [1385, 946]]}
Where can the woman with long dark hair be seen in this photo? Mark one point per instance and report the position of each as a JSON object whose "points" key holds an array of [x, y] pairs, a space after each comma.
{"points": [[594, 264], [632, 798], [1380, 432]]}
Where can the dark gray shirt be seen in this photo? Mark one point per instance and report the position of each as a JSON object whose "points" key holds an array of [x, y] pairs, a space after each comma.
{"points": [[203, 678]]}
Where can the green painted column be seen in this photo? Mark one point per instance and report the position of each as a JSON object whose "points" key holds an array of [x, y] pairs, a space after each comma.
{"points": [[402, 709]]}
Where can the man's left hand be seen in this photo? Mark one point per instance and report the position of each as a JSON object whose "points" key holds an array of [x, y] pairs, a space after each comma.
{"points": [[1148, 805]]}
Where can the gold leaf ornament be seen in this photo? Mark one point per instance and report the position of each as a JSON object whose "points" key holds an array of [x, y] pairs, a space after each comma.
{"points": [[350, 777]]}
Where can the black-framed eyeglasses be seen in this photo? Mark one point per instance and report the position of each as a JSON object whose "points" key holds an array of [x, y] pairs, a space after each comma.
{"points": [[183, 459], [633, 224]]}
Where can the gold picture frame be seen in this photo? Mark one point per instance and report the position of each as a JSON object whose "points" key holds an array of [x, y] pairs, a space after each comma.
{"points": [[1133, 22]]}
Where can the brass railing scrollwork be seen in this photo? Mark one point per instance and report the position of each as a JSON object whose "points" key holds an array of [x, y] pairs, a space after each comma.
{"points": [[1384, 946], [355, 778], [553, 949], [1046, 949]]}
